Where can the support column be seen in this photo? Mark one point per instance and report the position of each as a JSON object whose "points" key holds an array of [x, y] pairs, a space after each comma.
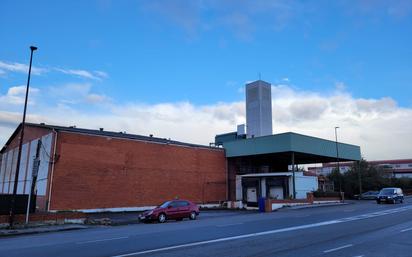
{"points": [[293, 173], [263, 187]]}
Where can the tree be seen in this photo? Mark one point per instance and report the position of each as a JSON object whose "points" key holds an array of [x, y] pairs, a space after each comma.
{"points": [[373, 178]]}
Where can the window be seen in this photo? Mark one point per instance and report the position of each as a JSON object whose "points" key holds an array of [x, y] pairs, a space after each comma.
{"points": [[182, 203]]}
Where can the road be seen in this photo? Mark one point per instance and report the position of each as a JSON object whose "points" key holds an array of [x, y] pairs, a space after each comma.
{"points": [[359, 229]]}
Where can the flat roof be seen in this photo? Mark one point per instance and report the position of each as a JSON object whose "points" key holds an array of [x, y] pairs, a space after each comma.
{"points": [[307, 149], [98, 132]]}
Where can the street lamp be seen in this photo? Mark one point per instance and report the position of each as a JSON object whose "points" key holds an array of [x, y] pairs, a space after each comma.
{"points": [[337, 158], [16, 177]]}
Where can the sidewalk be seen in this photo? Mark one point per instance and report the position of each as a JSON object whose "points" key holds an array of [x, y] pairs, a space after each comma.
{"points": [[317, 205], [40, 229]]}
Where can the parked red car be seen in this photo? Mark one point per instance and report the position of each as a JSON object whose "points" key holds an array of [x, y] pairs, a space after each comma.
{"points": [[174, 210]]}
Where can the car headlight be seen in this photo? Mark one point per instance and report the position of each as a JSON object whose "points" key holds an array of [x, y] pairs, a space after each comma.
{"points": [[389, 197], [150, 213]]}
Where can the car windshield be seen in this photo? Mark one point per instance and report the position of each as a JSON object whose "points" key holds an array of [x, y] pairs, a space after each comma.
{"points": [[387, 191], [165, 204]]}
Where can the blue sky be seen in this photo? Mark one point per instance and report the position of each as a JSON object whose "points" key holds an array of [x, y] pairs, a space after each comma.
{"points": [[101, 60]]}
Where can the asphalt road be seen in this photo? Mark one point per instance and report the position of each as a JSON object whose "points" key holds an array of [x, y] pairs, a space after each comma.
{"points": [[360, 229]]}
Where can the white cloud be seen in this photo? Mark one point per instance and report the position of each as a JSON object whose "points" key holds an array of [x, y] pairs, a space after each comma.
{"points": [[379, 126], [75, 93], [95, 75], [20, 68], [96, 98], [101, 74], [24, 68], [16, 95]]}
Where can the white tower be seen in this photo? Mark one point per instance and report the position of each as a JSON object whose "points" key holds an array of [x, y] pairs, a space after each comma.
{"points": [[258, 109]]}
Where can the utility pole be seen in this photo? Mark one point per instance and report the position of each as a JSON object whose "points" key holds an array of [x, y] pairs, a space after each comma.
{"points": [[35, 172], [16, 177]]}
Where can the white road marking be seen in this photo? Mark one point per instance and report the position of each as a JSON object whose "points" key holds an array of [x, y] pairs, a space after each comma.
{"points": [[227, 225], [102, 240], [276, 231], [407, 229], [338, 248], [230, 238]]}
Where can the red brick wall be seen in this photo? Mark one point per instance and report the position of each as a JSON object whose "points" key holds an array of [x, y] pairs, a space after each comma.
{"points": [[33, 217], [101, 172], [30, 133]]}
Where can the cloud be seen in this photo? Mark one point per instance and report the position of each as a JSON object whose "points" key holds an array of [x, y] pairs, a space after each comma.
{"points": [[23, 68], [76, 93], [95, 75], [96, 98], [379, 126], [20, 68], [16, 95]]}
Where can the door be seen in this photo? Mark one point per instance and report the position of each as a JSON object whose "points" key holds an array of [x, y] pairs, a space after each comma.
{"points": [[184, 209], [251, 195], [172, 210], [276, 192]]}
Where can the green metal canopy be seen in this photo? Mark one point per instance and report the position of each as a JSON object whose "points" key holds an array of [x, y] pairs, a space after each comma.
{"points": [[310, 149]]}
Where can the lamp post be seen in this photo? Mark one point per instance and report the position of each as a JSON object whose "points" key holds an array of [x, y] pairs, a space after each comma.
{"points": [[337, 158], [16, 177]]}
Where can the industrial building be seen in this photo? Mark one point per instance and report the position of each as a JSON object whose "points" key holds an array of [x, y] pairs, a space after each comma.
{"points": [[97, 170]]}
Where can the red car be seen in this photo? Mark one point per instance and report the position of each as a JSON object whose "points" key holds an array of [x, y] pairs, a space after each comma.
{"points": [[174, 210]]}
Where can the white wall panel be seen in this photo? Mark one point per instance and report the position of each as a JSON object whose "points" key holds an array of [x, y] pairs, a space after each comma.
{"points": [[8, 171], [32, 154], [45, 153], [2, 171], [22, 170]]}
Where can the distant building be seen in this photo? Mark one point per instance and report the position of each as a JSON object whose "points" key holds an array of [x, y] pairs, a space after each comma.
{"points": [[258, 109], [396, 168]]}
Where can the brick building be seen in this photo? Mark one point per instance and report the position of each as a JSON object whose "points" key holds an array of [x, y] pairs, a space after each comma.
{"points": [[82, 169]]}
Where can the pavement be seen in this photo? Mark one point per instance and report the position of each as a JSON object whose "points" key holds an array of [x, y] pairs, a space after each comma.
{"points": [[363, 228], [128, 218], [40, 229]]}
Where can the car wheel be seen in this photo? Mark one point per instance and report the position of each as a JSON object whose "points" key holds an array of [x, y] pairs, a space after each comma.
{"points": [[401, 200], [192, 215], [161, 218]]}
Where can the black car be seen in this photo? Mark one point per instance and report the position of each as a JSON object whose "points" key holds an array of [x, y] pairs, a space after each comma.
{"points": [[390, 195]]}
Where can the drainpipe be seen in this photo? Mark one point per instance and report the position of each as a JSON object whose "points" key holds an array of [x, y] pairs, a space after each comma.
{"points": [[52, 170]]}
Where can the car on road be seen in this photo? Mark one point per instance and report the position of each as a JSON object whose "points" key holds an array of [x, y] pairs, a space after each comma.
{"points": [[390, 195], [369, 195], [171, 210]]}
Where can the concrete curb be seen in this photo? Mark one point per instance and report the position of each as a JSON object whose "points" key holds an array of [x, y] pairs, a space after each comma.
{"points": [[316, 206], [38, 230]]}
